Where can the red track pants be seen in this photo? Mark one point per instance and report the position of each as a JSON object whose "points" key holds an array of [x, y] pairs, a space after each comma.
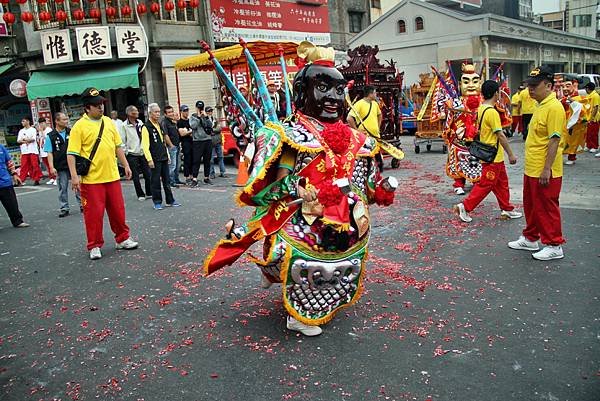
{"points": [[95, 198], [542, 212], [493, 179], [591, 139], [30, 166], [517, 124]]}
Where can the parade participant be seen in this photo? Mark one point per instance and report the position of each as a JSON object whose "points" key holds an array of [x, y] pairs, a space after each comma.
{"points": [[543, 170], [94, 137], [30, 162], [460, 128], [56, 145], [577, 115], [154, 145], [366, 117], [8, 197], [43, 131], [517, 123], [593, 123], [131, 135], [493, 175], [311, 183], [527, 109]]}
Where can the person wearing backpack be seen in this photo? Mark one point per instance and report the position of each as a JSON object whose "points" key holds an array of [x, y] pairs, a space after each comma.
{"points": [[493, 175], [55, 146]]}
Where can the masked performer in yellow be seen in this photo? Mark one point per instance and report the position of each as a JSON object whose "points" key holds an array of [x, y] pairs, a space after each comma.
{"points": [[578, 110], [311, 181]]}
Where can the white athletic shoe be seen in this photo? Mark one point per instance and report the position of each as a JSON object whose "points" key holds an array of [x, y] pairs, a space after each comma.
{"points": [[141, 198], [462, 213], [524, 244], [593, 150], [570, 162], [310, 331], [507, 215], [265, 282], [95, 253], [597, 154], [459, 191], [549, 252], [127, 244], [50, 182]]}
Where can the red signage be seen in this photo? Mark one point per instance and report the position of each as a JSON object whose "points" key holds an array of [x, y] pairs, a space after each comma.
{"points": [[270, 20]]}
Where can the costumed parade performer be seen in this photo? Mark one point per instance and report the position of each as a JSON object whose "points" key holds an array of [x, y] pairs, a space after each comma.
{"points": [[311, 181], [578, 110], [461, 127]]}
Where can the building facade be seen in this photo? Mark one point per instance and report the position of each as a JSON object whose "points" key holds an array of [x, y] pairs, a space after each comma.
{"points": [[418, 35]]}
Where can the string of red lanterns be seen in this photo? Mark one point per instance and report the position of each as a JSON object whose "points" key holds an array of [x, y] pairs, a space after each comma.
{"points": [[45, 16]]}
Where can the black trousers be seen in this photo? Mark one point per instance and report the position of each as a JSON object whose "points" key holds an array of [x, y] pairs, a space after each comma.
{"points": [[160, 172], [526, 120], [201, 152], [8, 197], [188, 158], [138, 164]]}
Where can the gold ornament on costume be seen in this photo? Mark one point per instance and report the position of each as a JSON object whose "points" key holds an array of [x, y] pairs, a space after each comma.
{"points": [[309, 53], [470, 81]]}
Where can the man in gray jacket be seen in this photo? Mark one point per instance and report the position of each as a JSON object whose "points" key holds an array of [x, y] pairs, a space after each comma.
{"points": [[131, 135], [201, 143]]}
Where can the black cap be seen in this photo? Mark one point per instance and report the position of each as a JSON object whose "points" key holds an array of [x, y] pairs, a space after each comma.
{"points": [[200, 104], [590, 85], [539, 74], [209, 109], [184, 107], [92, 96]]}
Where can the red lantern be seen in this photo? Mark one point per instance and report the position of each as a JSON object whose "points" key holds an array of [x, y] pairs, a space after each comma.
{"points": [[78, 14], [26, 17], [126, 10], [141, 8], [91, 1], [9, 18], [155, 8], [21, 1], [45, 16], [60, 16], [75, 1], [59, 1], [42, 1], [194, 3], [111, 12], [95, 13], [169, 6], [5, 2], [181, 4]]}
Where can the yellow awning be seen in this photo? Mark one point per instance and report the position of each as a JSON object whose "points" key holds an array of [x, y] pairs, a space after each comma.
{"points": [[264, 53]]}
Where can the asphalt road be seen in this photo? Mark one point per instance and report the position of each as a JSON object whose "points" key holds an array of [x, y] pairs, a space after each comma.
{"points": [[449, 312]]}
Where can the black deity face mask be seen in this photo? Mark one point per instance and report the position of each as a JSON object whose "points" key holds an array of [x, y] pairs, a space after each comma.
{"points": [[323, 93]]}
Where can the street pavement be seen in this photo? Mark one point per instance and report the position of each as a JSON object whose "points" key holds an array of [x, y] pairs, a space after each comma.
{"points": [[449, 313]]}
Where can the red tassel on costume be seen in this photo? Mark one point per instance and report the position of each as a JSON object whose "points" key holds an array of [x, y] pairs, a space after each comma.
{"points": [[383, 197], [329, 194]]}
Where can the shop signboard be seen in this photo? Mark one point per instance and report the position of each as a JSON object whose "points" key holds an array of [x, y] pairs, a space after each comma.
{"points": [[93, 43], [56, 47], [271, 21], [18, 88], [41, 108], [131, 41]]}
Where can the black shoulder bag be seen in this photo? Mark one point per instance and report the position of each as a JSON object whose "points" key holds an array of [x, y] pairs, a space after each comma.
{"points": [[482, 151], [83, 164]]}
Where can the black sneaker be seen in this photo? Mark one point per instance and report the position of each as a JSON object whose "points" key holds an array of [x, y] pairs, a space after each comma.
{"points": [[223, 175], [63, 213], [207, 181], [194, 183], [36, 183], [173, 185], [188, 181], [212, 176]]}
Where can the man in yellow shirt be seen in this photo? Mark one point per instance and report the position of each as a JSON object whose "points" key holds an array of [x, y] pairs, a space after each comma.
{"points": [[543, 170], [527, 108], [493, 175], [366, 117], [100, 188], [517, 121], [591, 140]]}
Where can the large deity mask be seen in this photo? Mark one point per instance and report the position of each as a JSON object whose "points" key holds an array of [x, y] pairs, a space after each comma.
{"points": [[470, 81]]}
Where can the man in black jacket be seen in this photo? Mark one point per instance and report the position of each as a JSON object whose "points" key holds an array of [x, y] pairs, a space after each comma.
{"points": [[55, 145], [154, 144]]}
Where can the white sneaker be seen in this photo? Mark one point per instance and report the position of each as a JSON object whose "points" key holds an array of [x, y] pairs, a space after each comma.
{"points": [[585, 149], [310, 331], [593, 150], [510, 214], [127, 244], [524, 244], [549, 252], [50, 182], [462, 213], [265, 282], [570, 162], [597, 154], [459, 191], [95, 253], [142, 198]]}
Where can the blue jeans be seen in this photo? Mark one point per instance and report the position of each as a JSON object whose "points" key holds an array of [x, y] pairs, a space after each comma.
{"points": [[218, 153], [174, 165]]}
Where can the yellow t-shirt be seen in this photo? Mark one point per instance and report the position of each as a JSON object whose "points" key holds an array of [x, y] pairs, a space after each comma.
{"points": [[490, 126], [81, 141], [549, 120], [595, 102], [516, 107], [371, 122], [527, 103]]}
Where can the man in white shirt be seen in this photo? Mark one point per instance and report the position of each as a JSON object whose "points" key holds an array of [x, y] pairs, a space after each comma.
{"points": [[114, 116], [30, 161], [43, 131], [131, 135]]}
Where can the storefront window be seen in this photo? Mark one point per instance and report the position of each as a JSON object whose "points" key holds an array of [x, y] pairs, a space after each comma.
{"points": [[188, 14], [69, 7]]}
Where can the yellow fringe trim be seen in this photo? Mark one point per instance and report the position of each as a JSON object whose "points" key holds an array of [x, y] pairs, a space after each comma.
{"points": [[212, 254], [336, 225], [299, 147]]}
